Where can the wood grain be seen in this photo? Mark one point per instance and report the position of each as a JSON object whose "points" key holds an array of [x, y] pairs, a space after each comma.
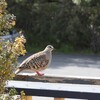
{"points": [[56, 79]]}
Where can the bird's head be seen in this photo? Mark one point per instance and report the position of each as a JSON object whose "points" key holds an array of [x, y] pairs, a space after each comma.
{"points": [[49, 47]]}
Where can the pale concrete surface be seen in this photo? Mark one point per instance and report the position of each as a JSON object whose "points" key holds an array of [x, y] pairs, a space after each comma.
{"points": [[74, 65]]}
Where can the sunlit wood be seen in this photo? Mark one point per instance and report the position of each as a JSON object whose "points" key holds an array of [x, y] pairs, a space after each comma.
{"points": [[28, 97], [59, 99]]}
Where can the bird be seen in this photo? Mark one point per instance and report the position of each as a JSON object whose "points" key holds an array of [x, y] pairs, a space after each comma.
{"points": [[37, 62]]}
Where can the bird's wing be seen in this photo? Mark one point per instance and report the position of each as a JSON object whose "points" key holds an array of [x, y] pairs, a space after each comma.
{"points": [[37, 61]]}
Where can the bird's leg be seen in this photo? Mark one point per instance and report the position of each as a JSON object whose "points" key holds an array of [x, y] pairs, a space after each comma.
{"points": [[39, 74]]}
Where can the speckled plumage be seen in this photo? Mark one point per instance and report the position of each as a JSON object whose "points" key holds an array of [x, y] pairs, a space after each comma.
{"points": [[38, 61]]}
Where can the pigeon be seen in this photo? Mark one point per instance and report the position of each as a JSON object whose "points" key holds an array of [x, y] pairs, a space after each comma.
{"points": [[37, 62]]}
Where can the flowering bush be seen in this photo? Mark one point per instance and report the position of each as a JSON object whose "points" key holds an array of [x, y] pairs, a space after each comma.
{"points": [[9, 50]]}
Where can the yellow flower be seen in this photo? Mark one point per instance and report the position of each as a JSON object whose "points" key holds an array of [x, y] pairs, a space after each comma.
{"points": [[18, 46]]}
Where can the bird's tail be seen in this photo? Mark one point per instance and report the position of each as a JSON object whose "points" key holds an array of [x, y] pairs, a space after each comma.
{"points": [[18, 71]]}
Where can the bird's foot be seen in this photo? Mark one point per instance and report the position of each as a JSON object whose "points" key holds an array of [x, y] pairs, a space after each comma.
{"points": [[39, 74]]}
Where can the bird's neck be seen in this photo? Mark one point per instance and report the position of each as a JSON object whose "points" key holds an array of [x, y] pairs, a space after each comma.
{"points": [[48, 52]]}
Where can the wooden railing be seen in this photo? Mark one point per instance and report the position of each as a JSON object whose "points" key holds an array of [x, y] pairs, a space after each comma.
{"points": [[57, 87]]}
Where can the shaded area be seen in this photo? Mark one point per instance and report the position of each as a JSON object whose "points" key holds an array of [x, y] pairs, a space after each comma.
{"points": [[63, 60], [67, 60]]}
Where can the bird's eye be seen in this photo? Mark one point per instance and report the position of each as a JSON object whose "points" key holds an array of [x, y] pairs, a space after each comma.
{"points": [[49, 46]]}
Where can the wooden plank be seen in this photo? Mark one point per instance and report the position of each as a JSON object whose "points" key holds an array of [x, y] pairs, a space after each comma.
{"points": [[59, 99], [55, 79], [59, 90], [28, 97]]}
